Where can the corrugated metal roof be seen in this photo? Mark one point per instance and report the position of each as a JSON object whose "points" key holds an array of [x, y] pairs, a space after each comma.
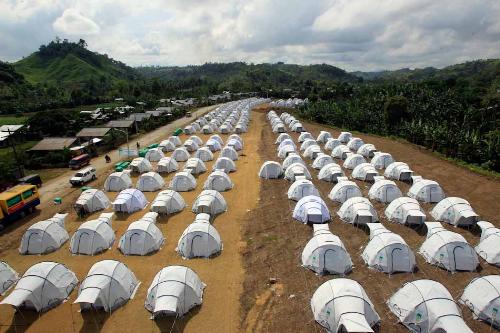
{"points": [[93, 132], [53, 144], [10, 128], [120, 123]]}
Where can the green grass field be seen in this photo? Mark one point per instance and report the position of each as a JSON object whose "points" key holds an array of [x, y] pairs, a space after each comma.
{"points": [[12, 120]]}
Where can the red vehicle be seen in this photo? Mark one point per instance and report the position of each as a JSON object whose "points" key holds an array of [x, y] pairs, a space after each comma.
{"points": [[79, 161]]}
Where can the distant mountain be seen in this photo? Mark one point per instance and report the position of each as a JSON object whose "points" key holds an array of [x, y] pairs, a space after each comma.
{"points": [[68, 62], [250, 76], [472, 70]]}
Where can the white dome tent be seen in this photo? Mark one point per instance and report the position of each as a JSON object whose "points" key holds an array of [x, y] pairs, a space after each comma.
{"points": [[167, 165], [218, 181], [354, 144], [312, 152], [488, 248], [117, 181], [321, 160], [180, 154], [199, 240], [43, 286], [344, 137], [235, 144], [286, 142], [213, 145], [301, 188], [90, 201], [352, 160], [204, 154], [44, 236], [282, 137], [384, 190], [296, 170], [311, 209], [129, 201], [174, 291], [108, 285], [340, 152], [183, 181], [455, 211], [308, 143], [426, 306], [365, 172], [217, 138], [344, 190], [447, 249], [225, 164], [398, 171], [325, 253], [367, 150], [285, 151], [190, 145], [426, 190], [94, 236], [323, 137], [142, 237], [342, 305], [357, 210], [270, 170], [405, 210], [297, 127], [229, 152], [387, 252], [189, 129], [195, 166], [381, 160], [330, 173], [207, 129], [482, 297], [8, 277], [196, 139], [292, 158], [331, 144], [154, 154], [168, 202], [166, 146], [150, 182], [175, 140], [209, 202], [305, 135], [140, 165]]}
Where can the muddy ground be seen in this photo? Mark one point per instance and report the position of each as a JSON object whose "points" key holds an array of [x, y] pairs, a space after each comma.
{"points": [[223, 274], [275, 241]]}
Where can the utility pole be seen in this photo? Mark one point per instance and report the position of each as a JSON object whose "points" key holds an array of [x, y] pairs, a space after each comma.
{"points": [[19, 164]]}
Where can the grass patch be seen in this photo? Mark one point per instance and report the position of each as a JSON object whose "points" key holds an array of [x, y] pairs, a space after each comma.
{"points": [[7, 154], [46, 174], [13, 120]]}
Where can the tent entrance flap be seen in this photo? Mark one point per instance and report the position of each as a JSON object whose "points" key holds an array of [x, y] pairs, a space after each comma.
{"points": [[89, 295], [166, 305], [354, 323], [363, 217]]}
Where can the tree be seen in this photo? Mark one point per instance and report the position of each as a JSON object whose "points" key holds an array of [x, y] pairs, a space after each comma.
{"points": [[395, 110], [82, 43]]}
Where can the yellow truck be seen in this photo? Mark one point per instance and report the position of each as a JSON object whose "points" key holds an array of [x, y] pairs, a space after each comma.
{"points": [[18, 201]]}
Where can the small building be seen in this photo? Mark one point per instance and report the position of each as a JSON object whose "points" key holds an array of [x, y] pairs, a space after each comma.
{"points": [[10, 131], [92, 135], [54, 144]]}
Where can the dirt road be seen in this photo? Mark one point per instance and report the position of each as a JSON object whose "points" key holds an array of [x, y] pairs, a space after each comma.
{"points": [[60, 186], [275, 241]]}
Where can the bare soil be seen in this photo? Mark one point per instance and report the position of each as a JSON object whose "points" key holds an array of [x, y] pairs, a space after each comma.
{"points": [[275, 241]]}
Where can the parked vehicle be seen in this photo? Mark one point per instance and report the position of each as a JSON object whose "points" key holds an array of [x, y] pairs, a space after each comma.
{"points": [[83, 176], [79, 161], [33, 179], [18, 201]]}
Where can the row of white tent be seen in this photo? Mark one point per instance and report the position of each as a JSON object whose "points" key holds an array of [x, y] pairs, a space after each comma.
{"points": [[289, 103], [142, 237], [108, 285], [342, 305]]}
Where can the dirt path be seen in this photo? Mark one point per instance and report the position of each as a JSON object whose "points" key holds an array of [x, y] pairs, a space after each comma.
{"points": [[60, 186], [276, 242], [223, 274]]}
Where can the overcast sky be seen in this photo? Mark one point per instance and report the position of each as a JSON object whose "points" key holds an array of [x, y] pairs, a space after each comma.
{"points": [[351, 34]]}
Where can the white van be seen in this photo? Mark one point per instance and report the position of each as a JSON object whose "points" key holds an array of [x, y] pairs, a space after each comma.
{"points": [[83, 176]]}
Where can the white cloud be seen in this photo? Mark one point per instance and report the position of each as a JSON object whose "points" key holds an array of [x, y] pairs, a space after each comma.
{"points": [[73, 23], [352, 34]]}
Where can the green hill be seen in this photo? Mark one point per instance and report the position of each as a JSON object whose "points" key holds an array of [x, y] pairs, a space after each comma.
{"points": [[68, 62], [239, 76]]}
